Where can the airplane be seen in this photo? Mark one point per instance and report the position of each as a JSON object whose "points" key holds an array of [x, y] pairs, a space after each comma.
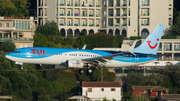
{"points": [[62, 58]]}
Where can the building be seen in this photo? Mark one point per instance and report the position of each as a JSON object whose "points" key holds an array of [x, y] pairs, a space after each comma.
{"points": [[170, 97], [20, 30], [100, 90], [79, 98], [115, 17], [152, 91]]}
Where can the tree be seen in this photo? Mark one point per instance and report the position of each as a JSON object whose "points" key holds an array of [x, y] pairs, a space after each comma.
{"points": [[48, 29], [141, 98], [48, 35], [175, 29], [120, 39], [8, 46], [101, 40], [14, 8], [176, 8], [7, 8], [81, 41], [22, 7], [69, 40]]}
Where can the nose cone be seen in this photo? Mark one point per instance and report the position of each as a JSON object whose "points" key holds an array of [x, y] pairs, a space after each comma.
{"points": [[7, 56]]}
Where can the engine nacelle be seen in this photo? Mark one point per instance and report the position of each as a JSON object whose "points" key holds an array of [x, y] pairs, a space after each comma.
{"points": [[74, 63]]}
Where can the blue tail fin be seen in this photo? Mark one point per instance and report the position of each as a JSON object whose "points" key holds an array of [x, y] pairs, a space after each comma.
{"points": [[151, 44]]}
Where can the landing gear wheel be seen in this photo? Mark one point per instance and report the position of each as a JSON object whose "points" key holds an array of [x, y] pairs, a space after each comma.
{"points": [[22, 68], [81, 71], [89, 71]]}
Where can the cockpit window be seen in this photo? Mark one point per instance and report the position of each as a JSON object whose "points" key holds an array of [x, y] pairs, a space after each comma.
{"points": [[16, 51]]}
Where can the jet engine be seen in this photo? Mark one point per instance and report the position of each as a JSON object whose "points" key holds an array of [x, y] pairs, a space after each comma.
{"points": [[74, 63]]}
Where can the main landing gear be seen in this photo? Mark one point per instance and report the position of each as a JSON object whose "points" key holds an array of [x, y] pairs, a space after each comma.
{"points": [[81, 71], [22, 67]]}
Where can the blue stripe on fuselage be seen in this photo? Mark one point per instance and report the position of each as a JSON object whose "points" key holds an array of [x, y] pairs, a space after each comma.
{"points": [[27, 53]]}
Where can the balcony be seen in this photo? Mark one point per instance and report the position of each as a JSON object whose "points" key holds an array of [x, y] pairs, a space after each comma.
{"points": [[110, 24], [91, 24], [110, 5], [97, 25], [124, 14], [62, 24], [117, 15], [84, 24], [98, 15], [40, 14], [110, 15], [77, 5], [125, 4], [84, 15], [62, 14], [98, 5], [167, 49], [117, 5], [7, 28], [145, 14], [76, 14], [70, 14], [145, 4], [70, 4], [84, 5], [145, 24], [176, 49], [14, 39], [76, 24], [124, 24], [91, 15], [117, 24], [70, 24], [62, 4], [90, 5], [159, 49]]}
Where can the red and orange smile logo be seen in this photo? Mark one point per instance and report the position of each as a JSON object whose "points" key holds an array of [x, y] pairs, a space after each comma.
{"points": [[152, 47]]}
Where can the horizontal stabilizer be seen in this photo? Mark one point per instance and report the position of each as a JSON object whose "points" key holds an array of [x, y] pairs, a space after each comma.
{"points": [[158, 55]]}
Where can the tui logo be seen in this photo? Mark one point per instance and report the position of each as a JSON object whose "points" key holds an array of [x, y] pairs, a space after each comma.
{"points": [[39, 52], [152, 47]]}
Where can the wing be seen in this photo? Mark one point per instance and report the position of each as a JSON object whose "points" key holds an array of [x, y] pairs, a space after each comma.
{"points": [[104, 59]]}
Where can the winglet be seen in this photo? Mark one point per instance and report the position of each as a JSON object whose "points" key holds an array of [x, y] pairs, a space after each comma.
{"points": [[84, 47], [132, 46]]}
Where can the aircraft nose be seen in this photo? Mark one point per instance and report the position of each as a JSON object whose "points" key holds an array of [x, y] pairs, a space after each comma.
{"points": [[7, 56]]}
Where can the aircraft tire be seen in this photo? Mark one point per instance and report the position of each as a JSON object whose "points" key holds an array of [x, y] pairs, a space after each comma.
{"points": [[89, 71], [81, 71]]}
